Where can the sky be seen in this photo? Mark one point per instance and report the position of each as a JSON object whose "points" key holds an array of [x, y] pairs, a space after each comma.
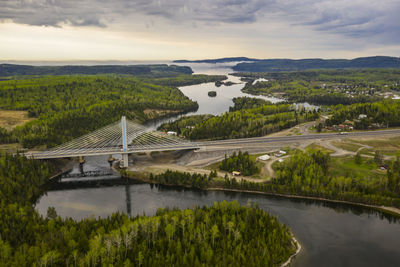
{"points": [[197, 29]]}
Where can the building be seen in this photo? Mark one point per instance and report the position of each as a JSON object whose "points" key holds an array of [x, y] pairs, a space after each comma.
{"points": [[264, 157]]}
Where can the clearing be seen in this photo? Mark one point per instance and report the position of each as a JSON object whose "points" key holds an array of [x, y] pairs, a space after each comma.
{"points": [[9, 119]]}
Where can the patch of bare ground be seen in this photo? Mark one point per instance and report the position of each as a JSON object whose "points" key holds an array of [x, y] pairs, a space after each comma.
{"points": [[160, 162], [9, 119]]}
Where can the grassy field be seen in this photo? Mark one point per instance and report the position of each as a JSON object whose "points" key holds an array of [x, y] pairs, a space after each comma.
{"points": [[345, 166], [346, 145], [318, 147], [9, 119]]}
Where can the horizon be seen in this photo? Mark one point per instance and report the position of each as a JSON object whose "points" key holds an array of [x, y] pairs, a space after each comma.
{"points": [[146, 62], [39, 30]]}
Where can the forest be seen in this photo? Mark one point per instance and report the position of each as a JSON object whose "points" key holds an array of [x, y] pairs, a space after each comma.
{"points": [[385, 114], [325, 87], [309, 174], [273, 65], [264, 119], [220, 235], [185, 79], [241, 162], [161, 70], [70, 106]]}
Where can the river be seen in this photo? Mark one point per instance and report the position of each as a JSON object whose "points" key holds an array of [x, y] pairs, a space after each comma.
{"points": [[330, 234]]}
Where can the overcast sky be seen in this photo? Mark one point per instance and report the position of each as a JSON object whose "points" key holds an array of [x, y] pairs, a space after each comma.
{"points": [[196, 29]]}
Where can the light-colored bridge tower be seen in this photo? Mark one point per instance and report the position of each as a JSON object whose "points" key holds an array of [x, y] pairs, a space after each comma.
{"points": [[124, 143], [121, 137]]}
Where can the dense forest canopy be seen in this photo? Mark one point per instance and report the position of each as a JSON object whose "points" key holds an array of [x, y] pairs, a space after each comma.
{"points": [[385, 114], [271, 65], [325, 87], [220, 235], [161, 70], [310, 173], [70, 106], [263, 119], [241, 162]]}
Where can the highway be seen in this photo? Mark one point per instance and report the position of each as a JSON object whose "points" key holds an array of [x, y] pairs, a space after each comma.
{"points": [[296, 138]]}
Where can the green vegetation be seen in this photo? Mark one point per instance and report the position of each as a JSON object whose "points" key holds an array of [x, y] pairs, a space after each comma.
{"points": [[224, 234], [241, 163], [314, 174], [185, 79], [349, 167], [22, 180], [70, 106], [247, 103], [184, 124], [326, 87], [194, 180], [379, 115], [212, 94], [271, 65], [161, 70], [259, 121]]}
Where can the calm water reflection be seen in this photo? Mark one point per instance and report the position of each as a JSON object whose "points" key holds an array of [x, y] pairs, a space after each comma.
{"points": [[331, 234]]}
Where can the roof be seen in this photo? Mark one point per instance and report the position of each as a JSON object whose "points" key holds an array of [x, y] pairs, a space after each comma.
{"points": [[264, 157]]}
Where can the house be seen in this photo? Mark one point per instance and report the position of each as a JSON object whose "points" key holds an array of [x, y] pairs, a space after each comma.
{"points": [[172, 133], [264, 157], [349, 123], [283, 152], [235, 173], [384, 167], [362, 116]]}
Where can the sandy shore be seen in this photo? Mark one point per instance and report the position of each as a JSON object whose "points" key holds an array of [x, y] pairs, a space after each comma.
{"points": [[287, 263]]}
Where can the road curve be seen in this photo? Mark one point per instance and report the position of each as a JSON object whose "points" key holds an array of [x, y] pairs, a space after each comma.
{"points": [[296, 138]]}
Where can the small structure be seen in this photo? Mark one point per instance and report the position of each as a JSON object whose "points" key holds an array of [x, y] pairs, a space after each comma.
{"points": [[235, 173], [172, 133], [264, 157], [362, 116], [283, 152], [384, 167]]}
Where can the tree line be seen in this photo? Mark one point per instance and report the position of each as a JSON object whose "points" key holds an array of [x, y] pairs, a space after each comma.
{"points": [[241, 162], [252, 122], [385, 113], [70, 106], [220, 235]]}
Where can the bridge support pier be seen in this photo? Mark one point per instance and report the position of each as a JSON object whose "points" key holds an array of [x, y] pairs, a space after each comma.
{"points": [[125, 160]]}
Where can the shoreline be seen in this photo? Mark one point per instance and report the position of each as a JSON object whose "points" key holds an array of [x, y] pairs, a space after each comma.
{"points": [[390, 210], [385, 209], [291, 258]]}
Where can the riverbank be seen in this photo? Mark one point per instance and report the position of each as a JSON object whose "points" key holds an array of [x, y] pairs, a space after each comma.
{"points": [[291, 258], [389, 210]]}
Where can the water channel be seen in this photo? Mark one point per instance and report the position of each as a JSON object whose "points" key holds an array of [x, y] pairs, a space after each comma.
{"points": [[330, 234]]}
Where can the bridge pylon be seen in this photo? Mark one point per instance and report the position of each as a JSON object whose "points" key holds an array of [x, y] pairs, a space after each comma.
{"points": [[124, 143]]}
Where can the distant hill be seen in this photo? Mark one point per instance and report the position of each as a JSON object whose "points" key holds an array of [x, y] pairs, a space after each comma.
{"points": [[218, 60], [161, 70], [274, 65]]}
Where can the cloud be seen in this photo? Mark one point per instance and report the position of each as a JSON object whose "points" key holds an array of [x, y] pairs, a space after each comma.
{"points": [[374, 21]]}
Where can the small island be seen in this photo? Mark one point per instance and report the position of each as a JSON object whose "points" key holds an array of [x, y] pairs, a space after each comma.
{"points": [[228, 83], [212, 94]]}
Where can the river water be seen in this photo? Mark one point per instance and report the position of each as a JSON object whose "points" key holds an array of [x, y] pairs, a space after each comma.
{"points": [[330, 234]]}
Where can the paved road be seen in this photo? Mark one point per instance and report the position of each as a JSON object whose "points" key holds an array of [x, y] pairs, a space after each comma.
{"points": [[297, 138]]}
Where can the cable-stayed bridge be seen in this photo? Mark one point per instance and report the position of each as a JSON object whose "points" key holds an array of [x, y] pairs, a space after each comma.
{"points": [[122, 137]]}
